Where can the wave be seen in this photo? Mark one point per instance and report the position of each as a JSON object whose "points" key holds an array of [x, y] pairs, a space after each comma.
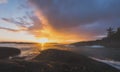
{"points": [[115, 64]]}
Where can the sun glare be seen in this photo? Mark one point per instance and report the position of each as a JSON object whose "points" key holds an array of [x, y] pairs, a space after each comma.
{"points": [[43, 40]]}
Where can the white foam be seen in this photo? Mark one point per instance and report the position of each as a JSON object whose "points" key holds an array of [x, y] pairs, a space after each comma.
{"points": [[95, 46], [112, 63]]}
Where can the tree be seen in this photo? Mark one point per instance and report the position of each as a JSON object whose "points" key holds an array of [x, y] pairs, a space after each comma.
{"points": [[118, 30], [118, 33], [110, 32]]}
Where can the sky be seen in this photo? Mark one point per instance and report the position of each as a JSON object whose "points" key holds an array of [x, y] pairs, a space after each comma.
{"points": [[57, 20]]}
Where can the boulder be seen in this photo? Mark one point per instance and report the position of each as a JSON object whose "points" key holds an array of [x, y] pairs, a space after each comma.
{"points": [[6, 52], [6, 66]]}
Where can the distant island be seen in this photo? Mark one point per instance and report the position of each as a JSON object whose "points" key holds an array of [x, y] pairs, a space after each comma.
{"points": [[18, 42], [112, 40]]}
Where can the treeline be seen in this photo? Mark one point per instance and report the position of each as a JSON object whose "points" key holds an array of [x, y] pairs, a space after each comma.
{"points": [[112, 40], [113, 35]]}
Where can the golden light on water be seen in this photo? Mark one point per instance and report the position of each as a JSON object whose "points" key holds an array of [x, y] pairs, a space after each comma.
{"points": [[43, 40]]}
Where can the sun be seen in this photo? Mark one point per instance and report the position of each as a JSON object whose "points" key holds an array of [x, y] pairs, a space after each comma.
{"points": [[43, 40]]}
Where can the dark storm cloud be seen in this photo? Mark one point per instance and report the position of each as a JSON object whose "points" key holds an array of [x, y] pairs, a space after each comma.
{"points": [[70, 13]]}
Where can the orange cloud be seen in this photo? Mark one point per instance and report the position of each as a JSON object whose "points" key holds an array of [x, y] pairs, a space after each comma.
{"points": [[51, 33]]}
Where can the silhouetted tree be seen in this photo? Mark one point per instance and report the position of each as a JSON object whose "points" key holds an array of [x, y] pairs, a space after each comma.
{"points": [[113, 35], [117, 34], [118, 30], [110, 32]]}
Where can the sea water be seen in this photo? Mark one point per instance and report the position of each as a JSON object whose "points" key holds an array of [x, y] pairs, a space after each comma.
{"points": [[27, 50]]}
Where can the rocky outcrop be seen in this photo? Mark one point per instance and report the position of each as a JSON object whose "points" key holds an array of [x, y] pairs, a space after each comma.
{"points": [[9, 66], [56, 61], [6, 52], [66, 61]]}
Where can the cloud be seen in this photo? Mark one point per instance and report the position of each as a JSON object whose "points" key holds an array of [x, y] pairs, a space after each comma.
{"points": [[30, 23], [21, 23], [3, 1], [13, 30], [81, 17], [70, 13]]}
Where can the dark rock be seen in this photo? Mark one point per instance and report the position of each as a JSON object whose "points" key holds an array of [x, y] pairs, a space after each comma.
{"points": [[66, 61], [6, 52], [36, 66], [6, 66], [56, 61], [61, 56]]}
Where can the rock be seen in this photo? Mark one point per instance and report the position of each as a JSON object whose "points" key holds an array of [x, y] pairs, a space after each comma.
{"points": [[6, 66], [56, 61], [66, 61], [6, 52], [36, 66]]}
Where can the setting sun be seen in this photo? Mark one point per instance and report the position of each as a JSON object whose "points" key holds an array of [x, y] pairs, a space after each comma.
{"points": [[43, 40]]}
